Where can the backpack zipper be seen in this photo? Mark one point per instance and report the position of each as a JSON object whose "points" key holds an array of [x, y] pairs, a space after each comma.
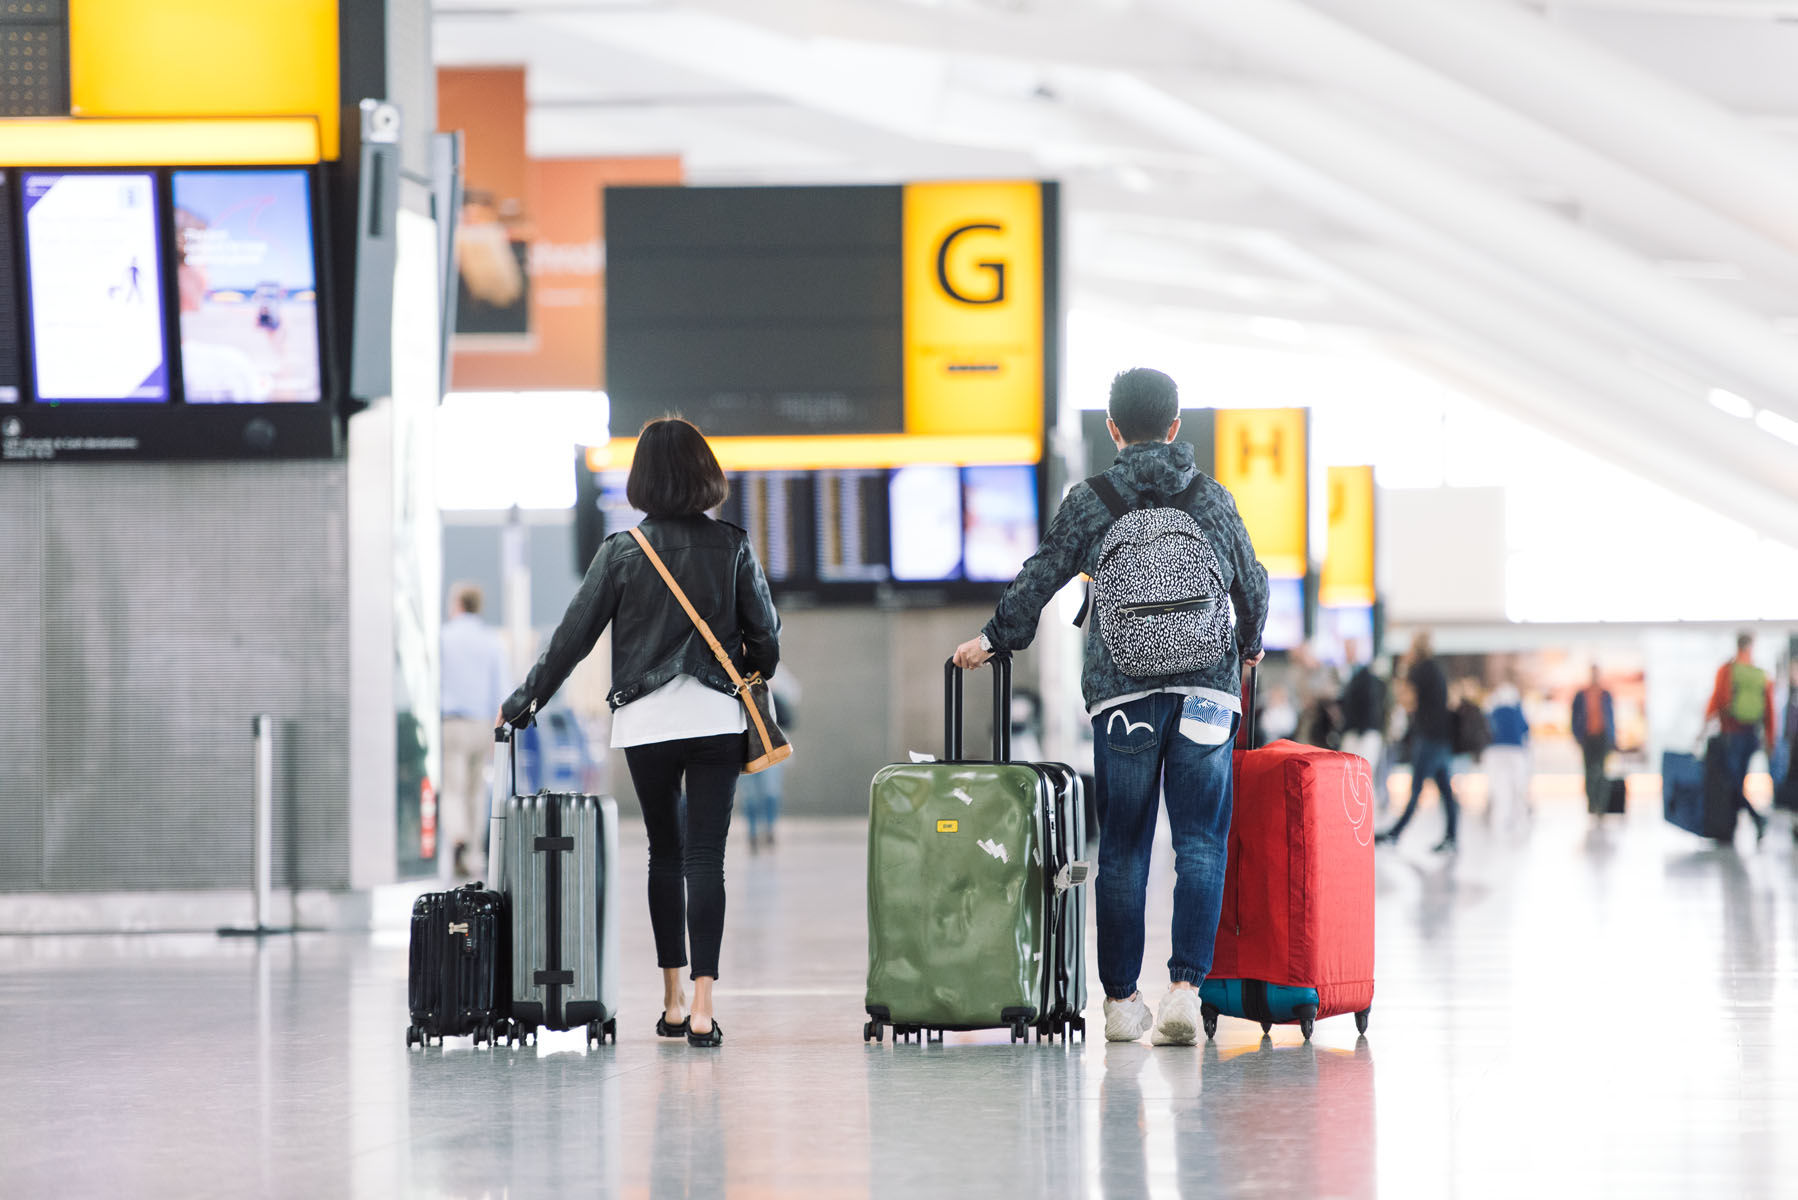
{"points": [[1164, 607]]}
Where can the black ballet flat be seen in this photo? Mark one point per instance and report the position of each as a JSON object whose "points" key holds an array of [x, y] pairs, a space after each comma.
{"points": [[664, 1029], [711, 1037]]}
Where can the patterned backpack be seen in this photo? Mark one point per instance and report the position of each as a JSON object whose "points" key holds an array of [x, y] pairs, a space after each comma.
{"points": [[1158, 593]]}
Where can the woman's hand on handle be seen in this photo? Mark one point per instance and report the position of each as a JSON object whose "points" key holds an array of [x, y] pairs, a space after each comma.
{"points": [[971, 655]]}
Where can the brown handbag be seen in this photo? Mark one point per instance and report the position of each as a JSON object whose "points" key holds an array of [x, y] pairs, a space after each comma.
{"points": [[767, 744]]}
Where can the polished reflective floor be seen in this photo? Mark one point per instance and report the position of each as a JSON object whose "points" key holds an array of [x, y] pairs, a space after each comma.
{"points": [[1561, 1012]]}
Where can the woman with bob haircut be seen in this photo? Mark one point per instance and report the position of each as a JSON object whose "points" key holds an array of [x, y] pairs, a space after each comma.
{"points": [[674, 711]]}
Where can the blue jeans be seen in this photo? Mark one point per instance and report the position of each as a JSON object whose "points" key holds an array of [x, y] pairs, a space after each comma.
{"points": [[1138, 751], [1430, 758]]}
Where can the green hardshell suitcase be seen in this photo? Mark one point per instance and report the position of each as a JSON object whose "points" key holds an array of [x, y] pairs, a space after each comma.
{"points": [[975, 915]]}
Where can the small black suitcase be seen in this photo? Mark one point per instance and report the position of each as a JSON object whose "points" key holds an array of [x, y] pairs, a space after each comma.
{"points": [[1616, 796], [460, 976]]}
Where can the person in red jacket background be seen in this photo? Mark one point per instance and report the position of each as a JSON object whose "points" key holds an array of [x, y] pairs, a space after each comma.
{"points": [[1742, 704]]}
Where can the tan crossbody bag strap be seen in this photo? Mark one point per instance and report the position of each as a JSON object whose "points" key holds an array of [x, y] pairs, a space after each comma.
{"points": [[705, 631]]}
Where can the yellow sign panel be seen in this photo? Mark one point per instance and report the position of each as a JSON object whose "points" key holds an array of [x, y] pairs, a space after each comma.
{"points": [[1348, 572], [1261, 456], [85, 143], [206, 58], [947, 826], [974, 286], [870, 451]]}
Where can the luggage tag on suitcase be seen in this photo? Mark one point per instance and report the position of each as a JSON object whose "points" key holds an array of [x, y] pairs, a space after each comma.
{"points": [[1205, 721]]}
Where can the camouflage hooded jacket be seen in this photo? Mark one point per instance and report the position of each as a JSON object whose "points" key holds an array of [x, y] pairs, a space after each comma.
{"points": [[1161, 470]]}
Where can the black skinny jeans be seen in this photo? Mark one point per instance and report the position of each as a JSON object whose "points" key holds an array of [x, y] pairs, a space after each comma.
{"points": [[686, 849]]}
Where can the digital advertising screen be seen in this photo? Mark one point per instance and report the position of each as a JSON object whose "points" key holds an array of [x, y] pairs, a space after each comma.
{"points": [[998, 521], [245, 274], [925, 504], [1340, 625], [1285, 627], [95, 286]]}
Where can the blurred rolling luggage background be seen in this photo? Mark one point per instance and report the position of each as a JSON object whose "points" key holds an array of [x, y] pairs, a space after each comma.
{"points": [[459, 968], [1696, 794], [1616, 796], [558, 851], [1295, 938], [976, 916]]}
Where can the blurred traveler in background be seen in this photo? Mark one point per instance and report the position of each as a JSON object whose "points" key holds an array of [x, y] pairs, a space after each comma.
{"points": [[1595, 725], [1432, 748], [474, 683], [1471, 733], [1398, 728], [1160, 734], [1363, 709], [1507, 759], [675, 712], [1785, 776], [1027, 726], [1278, 718], [760, 794], [1742, 705]]}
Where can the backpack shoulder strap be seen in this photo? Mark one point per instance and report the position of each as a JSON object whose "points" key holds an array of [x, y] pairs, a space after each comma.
{"points": [[1108, 494]]}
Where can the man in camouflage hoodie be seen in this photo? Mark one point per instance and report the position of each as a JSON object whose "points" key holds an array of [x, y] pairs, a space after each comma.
{"points": [[1169, 733]]}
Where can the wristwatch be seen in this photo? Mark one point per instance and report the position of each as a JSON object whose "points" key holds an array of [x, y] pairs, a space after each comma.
{"points": [[986, 643]]}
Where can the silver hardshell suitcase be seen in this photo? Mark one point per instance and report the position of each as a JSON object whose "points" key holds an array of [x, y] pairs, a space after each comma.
{"points": [[556, 852]]}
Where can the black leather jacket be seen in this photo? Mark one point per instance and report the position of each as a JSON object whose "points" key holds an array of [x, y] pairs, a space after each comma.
{"points": [[652, 639]]}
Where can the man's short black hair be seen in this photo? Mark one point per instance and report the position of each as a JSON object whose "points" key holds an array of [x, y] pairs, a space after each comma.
{"points": [[674, 472], [1144, 404]]}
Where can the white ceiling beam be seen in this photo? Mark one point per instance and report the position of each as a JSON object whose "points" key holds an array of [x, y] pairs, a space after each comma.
{"points": [[1292, 38], [1662, 130], [1393, 194]]}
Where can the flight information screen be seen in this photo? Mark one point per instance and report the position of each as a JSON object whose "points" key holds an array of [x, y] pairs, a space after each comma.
{"points": [[9, 299], [245, 274], [94, 286], [852, 526], [755, 311]]}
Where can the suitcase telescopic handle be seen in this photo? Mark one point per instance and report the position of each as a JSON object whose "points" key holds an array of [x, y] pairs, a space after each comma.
{"points": [[952, 674], [1245, 728]]}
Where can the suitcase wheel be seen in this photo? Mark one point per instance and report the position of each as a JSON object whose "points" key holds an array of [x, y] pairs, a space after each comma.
{"points": [[1361, 1019], [1267, 1028], [611, 1030], [1307, 1020], [1020, 1032], [412, 1036], [1208, 1014], [871, 1032]]}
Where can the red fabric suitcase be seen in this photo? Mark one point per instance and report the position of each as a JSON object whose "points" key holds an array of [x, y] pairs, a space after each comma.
{"points": [[1295, 937]]}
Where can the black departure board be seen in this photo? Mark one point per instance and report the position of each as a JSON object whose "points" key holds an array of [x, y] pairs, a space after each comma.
{"points": [[755, 311]]}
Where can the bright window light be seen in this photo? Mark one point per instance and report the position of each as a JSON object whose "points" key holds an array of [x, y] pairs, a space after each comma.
{"points": [[1729, 402], [499, 449], [1778, 426]]}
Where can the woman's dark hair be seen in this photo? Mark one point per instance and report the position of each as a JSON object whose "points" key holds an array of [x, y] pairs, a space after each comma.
{"points": [[674, 472]]}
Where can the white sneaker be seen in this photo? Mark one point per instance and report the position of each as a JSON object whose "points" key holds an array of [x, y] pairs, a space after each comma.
{"points": [[1179, 1023], [1127, 1020]]}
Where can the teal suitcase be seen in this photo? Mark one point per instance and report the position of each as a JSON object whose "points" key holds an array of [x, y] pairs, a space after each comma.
{"points": [[976, 916]]}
